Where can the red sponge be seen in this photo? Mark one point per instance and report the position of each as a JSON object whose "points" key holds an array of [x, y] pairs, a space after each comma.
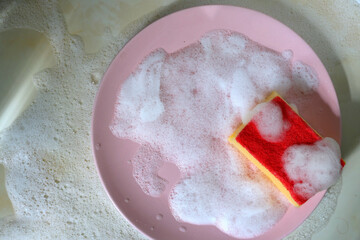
{"points": [[267, 156]]}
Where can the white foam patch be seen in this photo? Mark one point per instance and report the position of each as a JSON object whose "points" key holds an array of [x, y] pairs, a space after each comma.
{"points": [[269, 121], [304, 77], [241, 100], [205, 90], [242, 208], [146, 174], [287, 54], [141, 94], [313, 168]]}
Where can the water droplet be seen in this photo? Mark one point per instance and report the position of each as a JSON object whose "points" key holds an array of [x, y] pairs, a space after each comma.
{"points": [[159, 216], [127, 200], [182, 229], [152, 228], [98, 146]]}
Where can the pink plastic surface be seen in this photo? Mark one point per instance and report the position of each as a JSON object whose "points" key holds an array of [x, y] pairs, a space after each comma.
{"points": [[172, 33]]}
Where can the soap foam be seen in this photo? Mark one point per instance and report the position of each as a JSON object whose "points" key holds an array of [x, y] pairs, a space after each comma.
{"points": [[206, 90], [146, 174], [145, 86], [300, 72], [269, 121], [313, 168]]}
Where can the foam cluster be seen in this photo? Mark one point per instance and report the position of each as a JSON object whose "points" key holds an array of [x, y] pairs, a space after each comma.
{"points": [[313, 168], [269, 121], [183, 106], [146, 174]]}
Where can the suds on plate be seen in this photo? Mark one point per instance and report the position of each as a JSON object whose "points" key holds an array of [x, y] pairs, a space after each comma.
{"points": [[183, 106]]}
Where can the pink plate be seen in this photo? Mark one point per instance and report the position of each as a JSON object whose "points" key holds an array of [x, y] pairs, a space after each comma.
{"points": [[151, 215]]}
